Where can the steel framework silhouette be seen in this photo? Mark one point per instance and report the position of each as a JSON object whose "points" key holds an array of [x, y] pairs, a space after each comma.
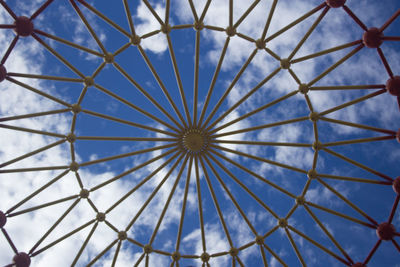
{"points": [[193, 138]]}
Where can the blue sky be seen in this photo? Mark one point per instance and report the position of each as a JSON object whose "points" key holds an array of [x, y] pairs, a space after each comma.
{"points": [[336, 28]]}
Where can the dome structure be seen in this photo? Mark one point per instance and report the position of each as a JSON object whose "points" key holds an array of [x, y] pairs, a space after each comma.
{"points": [[199, 133]]}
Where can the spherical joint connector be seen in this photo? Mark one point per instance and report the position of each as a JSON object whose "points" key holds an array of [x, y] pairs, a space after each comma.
{"points": [[23, 26], [3, 219], [285, 63], [84, 193], [74, 166], [230, 31], [166, 28], [198, 25], [393, 86], [304, 88], [135, 40], [396, 185], [260, 44], [122, 235], [205, 257], [282, 222], [385, 231], [76, 108], [317, 145], [22, 260], [147, 249], [335, 3], [373, 38], [398, 136], [71, 137], [312, 174], [233, 252], [259, 240], [175, 256], [3, 73], [88, 81], [300, 200], [101, 216], [313, 116], [109, 58]]}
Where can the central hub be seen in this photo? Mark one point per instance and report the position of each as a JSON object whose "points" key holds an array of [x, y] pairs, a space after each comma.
{"points": [[194, 140]]}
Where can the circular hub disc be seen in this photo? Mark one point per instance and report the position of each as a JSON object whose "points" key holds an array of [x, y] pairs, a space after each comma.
{"points": [[194, 140]]}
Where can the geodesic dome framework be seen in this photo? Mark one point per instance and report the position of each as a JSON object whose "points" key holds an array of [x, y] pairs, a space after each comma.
{"points": [[188, 148]]}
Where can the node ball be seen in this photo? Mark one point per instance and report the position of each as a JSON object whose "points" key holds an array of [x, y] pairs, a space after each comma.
{"points": [[300, 200], [88, 81], [101, 216], [176, 256], [71, 137], [233, 252], [335, 3], [398, 136], [260, 44], [108, 58], [230, 31], [259, 240], [3, 219], [135, 40], [23, 26], [313, 116], [393, 86], [198, 25], [312, 174], [74, 166], [372, 38], [122, 235], [282, 222], [3, 73], [317, 145], [147, 249], [358, 264], [76, 108], [166, 28], [205, 257], [303, 88], [285, 63], [84, 193], [22, 260], [385, 231], [396, 185]]}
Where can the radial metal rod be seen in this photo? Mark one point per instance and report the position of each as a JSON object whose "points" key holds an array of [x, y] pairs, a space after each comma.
{"points": [[132, 170], [142, 182], [260, 159], [33, 115], [245, 97], [9, 49], [29, 154], [217, 206], [214, 80], [183, 210], [134, 124], [166, 205], [228, 90], [39, 92], [294, 23], [161, 84], [178, 79], [128, 103], [173, 167], [103, 17], [268, 105]]}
